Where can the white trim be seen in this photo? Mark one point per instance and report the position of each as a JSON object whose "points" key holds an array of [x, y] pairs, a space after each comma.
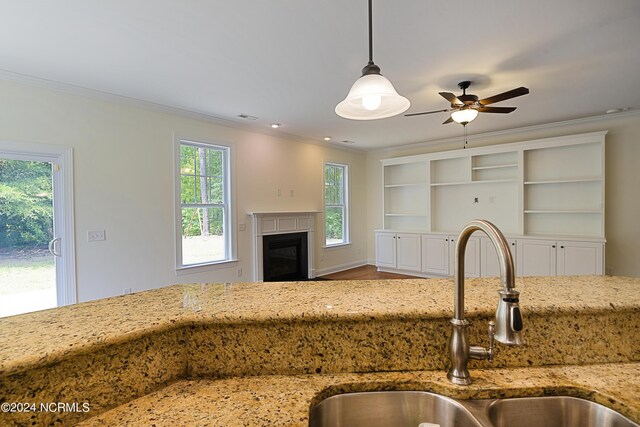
{"points": [[489, 136], [268, 223], [230, 196], [337, 245], [64, 223], [346, 203], [257, 126], [342, 267]]}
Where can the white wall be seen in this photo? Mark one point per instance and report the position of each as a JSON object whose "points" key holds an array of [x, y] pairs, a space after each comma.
{"points": [[622, 179], [123, 183]]}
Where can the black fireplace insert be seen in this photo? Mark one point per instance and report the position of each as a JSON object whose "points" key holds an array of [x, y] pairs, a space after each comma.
{"points": [[284, 257]]}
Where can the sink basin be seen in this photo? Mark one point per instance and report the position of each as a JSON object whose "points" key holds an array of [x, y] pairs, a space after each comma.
{"points": [[556, 411], [390, 409], [423, 409]]}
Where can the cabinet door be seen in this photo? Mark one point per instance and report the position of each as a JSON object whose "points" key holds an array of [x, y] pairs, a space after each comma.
{"points": [[386, 250], [408, 252], [471, 256], [536, 257], [435, 254], [580, 258], [489, 266]]}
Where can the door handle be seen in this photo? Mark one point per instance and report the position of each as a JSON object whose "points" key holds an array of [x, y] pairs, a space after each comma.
{"points": [[52, 247]]}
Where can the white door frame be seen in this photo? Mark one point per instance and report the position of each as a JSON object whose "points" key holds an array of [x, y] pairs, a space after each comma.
{"points": [[62, 160]]}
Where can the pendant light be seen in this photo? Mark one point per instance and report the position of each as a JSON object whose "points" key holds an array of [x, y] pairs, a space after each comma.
{"points": [[372, 96]]}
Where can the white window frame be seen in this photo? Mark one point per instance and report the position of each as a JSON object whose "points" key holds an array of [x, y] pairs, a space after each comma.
{"points": [[229, 224], [345, 215]]}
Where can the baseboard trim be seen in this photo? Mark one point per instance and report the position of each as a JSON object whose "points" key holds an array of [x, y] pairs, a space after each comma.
{"points": [[341, 267]]}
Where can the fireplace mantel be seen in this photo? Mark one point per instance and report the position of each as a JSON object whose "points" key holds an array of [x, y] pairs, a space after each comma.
{"points": [[272, 222]]}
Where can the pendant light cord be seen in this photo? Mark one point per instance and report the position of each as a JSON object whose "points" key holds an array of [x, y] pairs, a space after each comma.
{"points": [[370, 33]]}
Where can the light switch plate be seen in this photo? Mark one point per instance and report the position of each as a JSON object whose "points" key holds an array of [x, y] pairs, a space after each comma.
{"points": [[95, 235]]}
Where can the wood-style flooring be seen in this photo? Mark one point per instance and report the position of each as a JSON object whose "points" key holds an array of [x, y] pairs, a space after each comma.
{"points": [[366, 272]]}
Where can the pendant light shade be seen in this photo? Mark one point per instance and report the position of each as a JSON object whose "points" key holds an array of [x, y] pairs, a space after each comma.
{"points": [[464, 116], [372, 96]]}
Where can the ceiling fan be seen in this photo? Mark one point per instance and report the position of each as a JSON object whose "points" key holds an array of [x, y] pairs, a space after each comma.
{"points": [[465, 108]]}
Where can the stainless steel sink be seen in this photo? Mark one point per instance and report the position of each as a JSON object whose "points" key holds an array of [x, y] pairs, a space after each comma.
{"points": [[390, 409], [556, 411], [413, 408]]}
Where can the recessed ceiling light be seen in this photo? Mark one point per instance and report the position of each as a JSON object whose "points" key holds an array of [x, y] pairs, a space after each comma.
{"points": [[275, 125], [327, 138], [247, 117]]}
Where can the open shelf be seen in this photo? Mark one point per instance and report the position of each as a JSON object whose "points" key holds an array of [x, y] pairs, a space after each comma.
{"points": [[551, 186], [411, 184], [492, 181]]}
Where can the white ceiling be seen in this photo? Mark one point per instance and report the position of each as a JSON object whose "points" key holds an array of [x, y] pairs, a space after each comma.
{"points": [[292, 61]]}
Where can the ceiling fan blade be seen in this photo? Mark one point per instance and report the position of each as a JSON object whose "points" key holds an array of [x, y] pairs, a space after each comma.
{"points": [[451, 98], [449, 120], [427, 112], [503, 110], [505, 95]]}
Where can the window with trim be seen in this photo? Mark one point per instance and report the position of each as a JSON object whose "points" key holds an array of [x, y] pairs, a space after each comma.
{"points": [[336, 212], [204, 210]]}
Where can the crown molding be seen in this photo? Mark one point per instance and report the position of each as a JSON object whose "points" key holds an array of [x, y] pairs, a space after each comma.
{"points": [[480, 137], [113, 98]]}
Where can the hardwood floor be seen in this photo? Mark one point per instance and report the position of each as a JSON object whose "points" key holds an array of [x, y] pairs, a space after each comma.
{"points": [[366, 272]]}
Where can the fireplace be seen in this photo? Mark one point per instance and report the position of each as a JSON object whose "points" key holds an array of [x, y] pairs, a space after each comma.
{"points": [[284, 257], [276, 225]]}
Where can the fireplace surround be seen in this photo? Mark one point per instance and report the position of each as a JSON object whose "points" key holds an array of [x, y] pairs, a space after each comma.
{"points": [[281, 224]]}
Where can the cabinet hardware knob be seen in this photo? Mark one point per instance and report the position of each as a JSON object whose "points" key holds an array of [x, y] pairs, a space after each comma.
{"points": [[561, 247], [553, 246]]}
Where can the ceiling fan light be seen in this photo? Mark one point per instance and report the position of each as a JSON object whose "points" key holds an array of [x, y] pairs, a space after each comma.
{"points": [[464, 116], [372, 97]]}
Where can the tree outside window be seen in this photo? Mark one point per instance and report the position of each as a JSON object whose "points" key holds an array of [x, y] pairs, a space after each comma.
{"points": [[335, 204], [203, 203]]}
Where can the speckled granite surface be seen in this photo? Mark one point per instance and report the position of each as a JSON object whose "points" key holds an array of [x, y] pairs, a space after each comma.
{"points": [[111, 351], [286, 400]]}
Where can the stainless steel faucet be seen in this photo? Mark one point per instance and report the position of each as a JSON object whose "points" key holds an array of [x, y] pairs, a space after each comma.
{"points": [[508, 324]]}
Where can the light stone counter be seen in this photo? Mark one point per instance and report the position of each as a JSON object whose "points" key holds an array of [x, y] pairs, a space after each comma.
{"points": [[113, 351]]}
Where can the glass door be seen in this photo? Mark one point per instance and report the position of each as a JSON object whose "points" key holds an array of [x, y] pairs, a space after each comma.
{"points": [[28, 244], [37, 243]]}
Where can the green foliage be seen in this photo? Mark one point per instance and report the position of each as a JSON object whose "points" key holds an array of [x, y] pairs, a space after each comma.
{"points": [[26, 208], [201, 183], [334, 201], [333, 223]]}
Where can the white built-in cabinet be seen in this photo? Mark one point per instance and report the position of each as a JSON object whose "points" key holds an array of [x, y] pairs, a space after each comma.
{"points": [[435, 254], [398, 251], [546, 195]]}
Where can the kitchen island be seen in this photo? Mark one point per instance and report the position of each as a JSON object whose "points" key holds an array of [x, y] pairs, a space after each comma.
{"points": [[262, 353]]}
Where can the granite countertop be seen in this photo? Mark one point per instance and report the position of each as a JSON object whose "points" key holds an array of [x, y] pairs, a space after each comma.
{"points": [[246, 353], [285, 400], [40, 338]]}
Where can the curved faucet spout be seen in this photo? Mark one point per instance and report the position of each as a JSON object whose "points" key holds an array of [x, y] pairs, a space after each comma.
{"points": [[505, 260], [508, 319]]}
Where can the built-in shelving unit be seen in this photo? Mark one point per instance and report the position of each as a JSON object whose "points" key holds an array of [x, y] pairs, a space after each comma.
{"points": [[404, 187], [550, 187], [546, 195]]}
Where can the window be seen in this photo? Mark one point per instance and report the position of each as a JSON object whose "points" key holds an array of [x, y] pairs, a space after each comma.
{"points": [[336, 212], [204, 217]]}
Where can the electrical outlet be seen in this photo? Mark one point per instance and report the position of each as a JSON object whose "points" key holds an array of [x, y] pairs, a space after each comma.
{"points": [[242, 227], [126, 291], [239, 272], [95, 236]]}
